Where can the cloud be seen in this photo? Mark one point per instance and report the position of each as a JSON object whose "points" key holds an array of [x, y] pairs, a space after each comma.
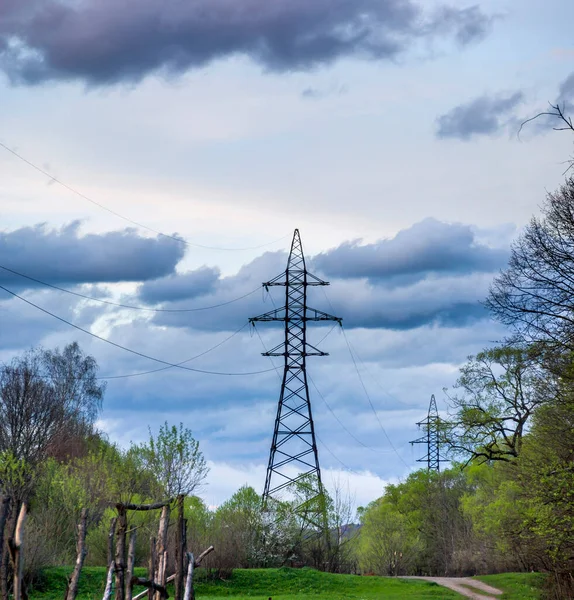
{"points": [[427, 247], [180, 287], [430, 273], [566, 93], [481, 116], [63, 256], [312, 93], [104, 42]]}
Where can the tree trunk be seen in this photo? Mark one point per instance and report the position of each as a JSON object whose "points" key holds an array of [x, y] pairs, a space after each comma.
{"points": [[121, 553], [161, 549], [72, 588], [131, 563], [189, 593], [179, 549], [17, 550], [151, 566], [111, 535], [109, 580]]}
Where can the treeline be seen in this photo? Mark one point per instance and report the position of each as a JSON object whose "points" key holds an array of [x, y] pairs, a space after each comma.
{"points": [[56, 463]]}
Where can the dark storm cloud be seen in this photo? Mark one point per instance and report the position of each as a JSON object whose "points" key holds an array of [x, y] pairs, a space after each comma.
{"points": [[104, 41], [63, 256], [481, 116], [427, 247]]}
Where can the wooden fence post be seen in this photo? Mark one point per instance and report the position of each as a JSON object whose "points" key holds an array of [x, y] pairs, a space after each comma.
{"points": [[17, 549], [131, 564], [179, 549], [121, 552], [72, 587]]}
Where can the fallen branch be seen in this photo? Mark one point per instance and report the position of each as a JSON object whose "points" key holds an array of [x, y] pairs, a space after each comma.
{"points": [[197, 562]]}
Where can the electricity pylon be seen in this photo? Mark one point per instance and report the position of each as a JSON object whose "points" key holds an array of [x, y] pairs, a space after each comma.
{"points": [[432, 438], [293, 458]]}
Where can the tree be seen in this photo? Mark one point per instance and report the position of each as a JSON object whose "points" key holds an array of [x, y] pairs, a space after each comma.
{"points": [[497, 392], [534, 296], [46, 397], [389, 544], [175, 459]]}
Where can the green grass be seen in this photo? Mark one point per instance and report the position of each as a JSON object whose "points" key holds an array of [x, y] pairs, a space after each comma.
{"points": [[517, 586], [261, 584]]}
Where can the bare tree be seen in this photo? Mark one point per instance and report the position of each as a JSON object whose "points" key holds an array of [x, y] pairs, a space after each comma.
{"points": [[46, 396]]}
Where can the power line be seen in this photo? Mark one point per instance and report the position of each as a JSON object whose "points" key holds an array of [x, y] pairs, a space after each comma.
{"points": [[130, 307], [371, 402], [180, 363], [158, 360], [117, 214], [376, 380], [340, 422], [363, 362]]}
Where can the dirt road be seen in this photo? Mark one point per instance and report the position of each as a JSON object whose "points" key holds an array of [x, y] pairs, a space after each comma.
{"points": [[464, 586]]}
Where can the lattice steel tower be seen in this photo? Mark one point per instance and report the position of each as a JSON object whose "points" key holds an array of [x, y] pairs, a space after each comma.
{"points": [[432, 438], [294, 442]]}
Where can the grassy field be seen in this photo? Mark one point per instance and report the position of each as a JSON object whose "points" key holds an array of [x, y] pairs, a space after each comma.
{"points": [[516, 586], [261, 584]]}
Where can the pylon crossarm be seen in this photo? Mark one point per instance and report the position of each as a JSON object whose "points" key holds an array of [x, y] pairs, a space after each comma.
{"points": [[319, 315], [272, 315]]}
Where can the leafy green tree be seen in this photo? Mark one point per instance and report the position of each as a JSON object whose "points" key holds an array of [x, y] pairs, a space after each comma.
{"points": [[175, 460], [495, 396], [389, 543]]}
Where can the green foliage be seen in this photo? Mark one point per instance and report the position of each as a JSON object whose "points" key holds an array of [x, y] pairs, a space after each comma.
{"points": [[389, 542], [496, 394], [174, 458], [16, 475]]}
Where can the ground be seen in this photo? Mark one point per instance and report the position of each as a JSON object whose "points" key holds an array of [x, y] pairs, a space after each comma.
{"points": [[294, 584]]}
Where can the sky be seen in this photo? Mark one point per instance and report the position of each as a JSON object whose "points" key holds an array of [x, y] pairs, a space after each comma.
{"points": [[160, 154]]}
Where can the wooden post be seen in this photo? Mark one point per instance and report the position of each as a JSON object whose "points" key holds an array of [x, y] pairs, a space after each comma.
{"points": [[131, 563], [72, 587], [179, 549], [111, 536], [189, 593], [151, 567], [109, 581], [17, 544], [121, 552], [161, 549]]}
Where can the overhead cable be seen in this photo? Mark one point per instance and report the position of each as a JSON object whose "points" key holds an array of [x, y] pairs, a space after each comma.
{"points": [[131, 351], [136, 223], [128, 306]]}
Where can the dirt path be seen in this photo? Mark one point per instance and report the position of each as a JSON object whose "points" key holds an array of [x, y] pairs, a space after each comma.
{"points": [[464, 586]]}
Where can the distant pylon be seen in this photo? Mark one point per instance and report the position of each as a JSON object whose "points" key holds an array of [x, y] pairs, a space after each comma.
{"points": [[294, 443], [432, 438]]}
